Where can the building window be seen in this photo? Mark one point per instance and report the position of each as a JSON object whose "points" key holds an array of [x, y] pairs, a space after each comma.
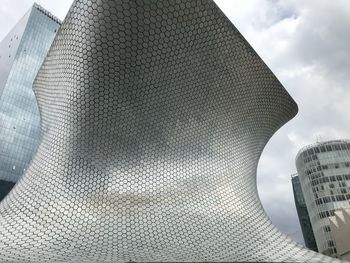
{"points": [[330, 243], [326, 199], [340, 198], [327, 229]]}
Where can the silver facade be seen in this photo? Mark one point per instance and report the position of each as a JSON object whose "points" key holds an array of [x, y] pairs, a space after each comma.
{"points": [[154, 116]]}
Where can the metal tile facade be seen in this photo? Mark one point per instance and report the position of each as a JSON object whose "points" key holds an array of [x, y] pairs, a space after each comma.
{"points": [[154, 115]]}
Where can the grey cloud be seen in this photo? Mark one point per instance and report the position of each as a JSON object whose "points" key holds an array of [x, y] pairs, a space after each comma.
{"points": [[307, 46], [323, 35]]}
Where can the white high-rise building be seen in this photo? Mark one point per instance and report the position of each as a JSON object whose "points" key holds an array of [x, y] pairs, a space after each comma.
{"points": [[324, 172]]}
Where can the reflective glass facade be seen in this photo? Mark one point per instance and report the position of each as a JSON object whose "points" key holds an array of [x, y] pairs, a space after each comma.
{"points": [[22, 52], [324, 172], [5, 187], [303, 215]]}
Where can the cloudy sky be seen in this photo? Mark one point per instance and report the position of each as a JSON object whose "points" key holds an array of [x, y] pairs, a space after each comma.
{"points": [[307, 46]]}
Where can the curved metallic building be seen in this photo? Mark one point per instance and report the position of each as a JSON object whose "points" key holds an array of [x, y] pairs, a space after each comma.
{"points": [[154, 115]]}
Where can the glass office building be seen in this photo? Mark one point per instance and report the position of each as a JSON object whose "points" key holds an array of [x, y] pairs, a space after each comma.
{"points": [[324, 172], [22, 52], [304, 219]]}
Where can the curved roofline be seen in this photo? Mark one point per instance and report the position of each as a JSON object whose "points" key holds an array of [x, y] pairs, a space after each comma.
{"points": [[303, 149]]}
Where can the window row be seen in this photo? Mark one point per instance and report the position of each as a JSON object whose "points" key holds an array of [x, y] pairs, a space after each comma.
{"points": [[326, 148], [333, 178], [326, 167], [326, 214], [329, 199]]}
